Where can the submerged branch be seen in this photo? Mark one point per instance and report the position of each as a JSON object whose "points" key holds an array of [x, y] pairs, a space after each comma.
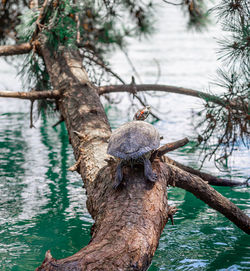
{"points": [[170, 89], [17, 49], [209, 195], [210, 179], [33, 95]]}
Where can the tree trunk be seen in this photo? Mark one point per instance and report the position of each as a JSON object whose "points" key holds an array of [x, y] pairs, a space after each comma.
{"points": [[128, 221]]}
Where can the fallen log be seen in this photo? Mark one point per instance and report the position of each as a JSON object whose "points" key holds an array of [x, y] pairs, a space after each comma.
{"points": [[130, 220]]}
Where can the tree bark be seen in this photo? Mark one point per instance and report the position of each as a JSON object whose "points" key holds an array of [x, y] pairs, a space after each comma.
{"points": [[17, 49], [209, 195], [33, 95], [128, 221], [210, 179], [173, 89]]}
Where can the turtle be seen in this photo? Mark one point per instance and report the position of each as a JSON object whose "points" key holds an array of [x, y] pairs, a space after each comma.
{"points": [[133, 143]]}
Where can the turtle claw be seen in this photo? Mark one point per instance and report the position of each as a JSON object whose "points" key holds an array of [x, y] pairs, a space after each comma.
{"points": [[118, 176], [116, 185], [148, 171], [153, 178]]}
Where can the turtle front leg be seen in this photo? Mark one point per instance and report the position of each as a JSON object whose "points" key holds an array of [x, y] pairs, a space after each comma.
{"points": [[148, 171], [118, 176]]}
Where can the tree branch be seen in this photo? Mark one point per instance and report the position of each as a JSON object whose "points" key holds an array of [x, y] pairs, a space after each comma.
{"points": [[172, 146], [209, 195], [31, 114], [174, 4], [210, 179], [33, 95], [168, 147], [17, 49], [99, 62], [170, 89]]}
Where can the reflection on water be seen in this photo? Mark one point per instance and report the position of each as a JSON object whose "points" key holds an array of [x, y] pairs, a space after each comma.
{"points": [[42, 205]]}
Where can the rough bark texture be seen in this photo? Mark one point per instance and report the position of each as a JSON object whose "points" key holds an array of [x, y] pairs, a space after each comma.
{"points": [[208, 194], [33, 95], [130, 220], [18, 49], [171, 89], [212, 180]]}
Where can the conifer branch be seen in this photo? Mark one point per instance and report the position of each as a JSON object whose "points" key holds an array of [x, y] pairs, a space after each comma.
{"points": [[171, 146], [17, 49], [171, 89], [33, 95], [210, 196], [209, 178]]}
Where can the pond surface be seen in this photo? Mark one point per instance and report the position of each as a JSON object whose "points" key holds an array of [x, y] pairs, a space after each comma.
{"points": [[42, 204]]}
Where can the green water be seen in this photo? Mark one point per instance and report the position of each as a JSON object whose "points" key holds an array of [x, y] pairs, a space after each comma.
{"points": [[42, 206]]}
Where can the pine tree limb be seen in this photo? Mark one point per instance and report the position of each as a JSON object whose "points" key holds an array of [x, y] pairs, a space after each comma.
{"points": [[172, 146], [210, 179], [169, 147], [17, 49], [33, 95], [209, 195], [170, 89]]}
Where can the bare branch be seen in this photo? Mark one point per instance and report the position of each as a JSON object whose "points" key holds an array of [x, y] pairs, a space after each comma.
{"points": [[210, 179], [171, 3], [58, 122], [40, 18], [31, 114], [171, 146], [17, 49], [170, 89], [99, 62], [209, 195], [33, 95], [132, 65]]}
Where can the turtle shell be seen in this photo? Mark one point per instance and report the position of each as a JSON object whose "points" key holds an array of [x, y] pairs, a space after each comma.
{"points": [[133, 139]]}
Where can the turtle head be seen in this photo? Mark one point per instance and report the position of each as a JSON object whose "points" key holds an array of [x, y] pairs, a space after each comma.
{"points": [[142, 114]]}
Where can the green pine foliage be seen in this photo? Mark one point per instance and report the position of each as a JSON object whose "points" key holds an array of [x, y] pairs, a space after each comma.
{"points": [[198, 14], [60, 26], [101, 25], [227, 128], [27, 25]]}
